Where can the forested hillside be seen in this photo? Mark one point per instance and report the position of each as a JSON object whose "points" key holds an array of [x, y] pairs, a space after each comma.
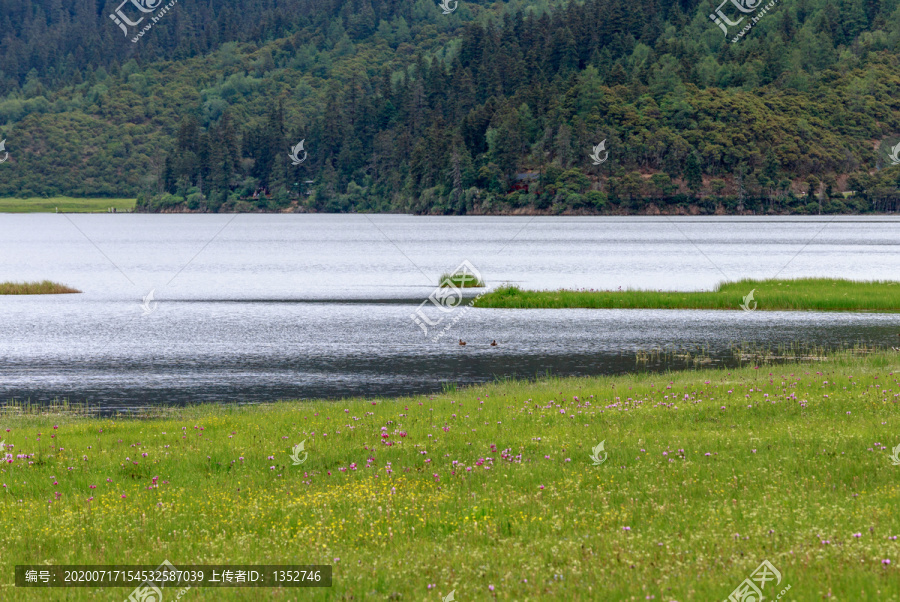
{"points": [[492, 108]]}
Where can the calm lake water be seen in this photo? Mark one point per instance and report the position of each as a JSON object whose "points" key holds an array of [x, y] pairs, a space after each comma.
{"points": [[262, 307]]}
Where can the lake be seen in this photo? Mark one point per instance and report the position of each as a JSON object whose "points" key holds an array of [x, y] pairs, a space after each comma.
{"points": [[259, 307]]}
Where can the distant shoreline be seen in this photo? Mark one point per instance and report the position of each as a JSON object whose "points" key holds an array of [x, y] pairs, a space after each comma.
{"points": [[128, 205]]}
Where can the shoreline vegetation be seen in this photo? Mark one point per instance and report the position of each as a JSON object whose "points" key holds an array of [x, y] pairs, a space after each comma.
{"points": [[64, 204], [803, 294], [640, 207], [35, 288], [621, 484]]}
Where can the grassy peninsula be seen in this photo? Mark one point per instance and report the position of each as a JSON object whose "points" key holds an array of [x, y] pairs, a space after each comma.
{"points": [[810, 294], [490, 492], [35, 288]]}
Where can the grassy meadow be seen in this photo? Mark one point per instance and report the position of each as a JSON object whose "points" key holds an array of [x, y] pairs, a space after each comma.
{"points": [[64, 203], [812, 294], [44, 287], [489, 492]]}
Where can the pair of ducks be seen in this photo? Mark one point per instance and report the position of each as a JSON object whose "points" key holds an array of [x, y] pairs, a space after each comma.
{"points": [[462, 343]]}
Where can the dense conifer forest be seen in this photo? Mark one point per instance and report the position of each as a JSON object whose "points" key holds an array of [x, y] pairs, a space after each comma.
{"points": [[505, 107]]}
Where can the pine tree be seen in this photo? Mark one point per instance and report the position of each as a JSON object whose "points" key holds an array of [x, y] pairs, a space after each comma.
{"points": [[692, 174]]}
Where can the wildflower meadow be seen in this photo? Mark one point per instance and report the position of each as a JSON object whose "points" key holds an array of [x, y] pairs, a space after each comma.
{"points": [[495, 492]]}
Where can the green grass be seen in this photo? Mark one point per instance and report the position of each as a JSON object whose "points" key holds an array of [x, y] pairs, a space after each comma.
{"points": [[775, 461], [35, 288], [813, 294], [64, 204]]}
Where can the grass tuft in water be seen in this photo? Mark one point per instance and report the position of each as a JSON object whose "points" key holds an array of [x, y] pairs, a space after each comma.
{"points": [[460, 280]]}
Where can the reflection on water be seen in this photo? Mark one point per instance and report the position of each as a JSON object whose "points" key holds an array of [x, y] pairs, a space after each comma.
{"points": [[271, 307]]}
